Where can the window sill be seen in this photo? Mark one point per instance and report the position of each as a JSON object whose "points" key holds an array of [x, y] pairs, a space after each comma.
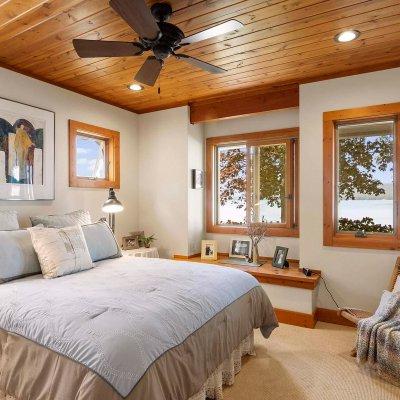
{"points": [[376, 242], [242, 230]]}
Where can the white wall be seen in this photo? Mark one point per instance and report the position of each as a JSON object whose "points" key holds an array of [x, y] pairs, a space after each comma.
{"points": [[271, 120], [195, 196], [356, 277], [69, 105], [168, 148]]}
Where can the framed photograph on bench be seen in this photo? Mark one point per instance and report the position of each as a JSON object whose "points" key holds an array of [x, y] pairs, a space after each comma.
{"points": [[279, 260], [240, 248]]}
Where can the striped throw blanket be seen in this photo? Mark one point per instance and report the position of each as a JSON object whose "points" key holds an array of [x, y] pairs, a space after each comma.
{"points": [[378, 340]]}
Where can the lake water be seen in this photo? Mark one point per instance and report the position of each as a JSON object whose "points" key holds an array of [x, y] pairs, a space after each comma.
{"points": [[380, 210]]}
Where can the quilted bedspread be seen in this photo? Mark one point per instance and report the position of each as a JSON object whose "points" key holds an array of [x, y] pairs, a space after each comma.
{"points": [[120, 317]]}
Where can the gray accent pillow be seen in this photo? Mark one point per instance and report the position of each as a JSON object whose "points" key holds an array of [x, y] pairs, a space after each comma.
{"points": [[17, 256], [80, 217], [101, 241], [9, 221]]}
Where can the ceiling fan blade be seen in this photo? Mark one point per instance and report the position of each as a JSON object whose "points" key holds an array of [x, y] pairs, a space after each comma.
{"points": [[149, 71], [138, 16], [100, 48], [222, 29], [201, 64]]}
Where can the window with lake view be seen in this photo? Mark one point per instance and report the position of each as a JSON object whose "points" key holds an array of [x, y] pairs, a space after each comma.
{"points": [[254, 180], [365, 177]]}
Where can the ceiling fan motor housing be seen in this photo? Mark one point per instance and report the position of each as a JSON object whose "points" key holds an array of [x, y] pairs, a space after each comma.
{"points": [[161, 11], [168, 42]]}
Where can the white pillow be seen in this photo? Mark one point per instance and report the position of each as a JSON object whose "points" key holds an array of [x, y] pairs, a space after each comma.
{"points": [[80, 217], [8, 221], [61, 251]]}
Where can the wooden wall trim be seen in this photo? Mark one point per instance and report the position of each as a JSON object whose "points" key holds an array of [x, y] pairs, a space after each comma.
{"points": [[332, 317], [296, 318], [309, 320], [181, 257], [243, 104]]}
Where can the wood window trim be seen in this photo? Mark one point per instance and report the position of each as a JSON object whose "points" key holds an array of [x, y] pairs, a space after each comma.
{"points": [[265, 136], [112, 151], [343, 239]]}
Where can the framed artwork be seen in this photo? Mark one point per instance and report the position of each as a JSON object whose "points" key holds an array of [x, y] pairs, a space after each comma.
{"points": [[240, 248], [209, 250], [130, 242], [279, 259], [26, 152], [93, 156], [197, 179]]}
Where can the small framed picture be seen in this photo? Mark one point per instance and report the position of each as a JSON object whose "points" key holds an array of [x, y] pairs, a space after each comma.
{"points": [[209, 250], [197, 179], [130, 242], [279, 259], [240, 248]]}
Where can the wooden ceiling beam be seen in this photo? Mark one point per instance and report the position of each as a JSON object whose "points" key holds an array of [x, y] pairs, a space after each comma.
{"points": [[243, 105]]}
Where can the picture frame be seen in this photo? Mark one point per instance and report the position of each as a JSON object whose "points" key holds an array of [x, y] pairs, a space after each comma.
{"points": [[279, 260], [197, 179], [138, 234], [240, 248], [27, 152], [209, 250], [130, 242]]}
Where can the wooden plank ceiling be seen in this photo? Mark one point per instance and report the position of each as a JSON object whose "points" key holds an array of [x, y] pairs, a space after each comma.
{"points": [[284, 42]]}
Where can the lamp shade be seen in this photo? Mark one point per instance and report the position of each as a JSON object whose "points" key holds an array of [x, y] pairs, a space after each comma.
{"points": [[112, 205]]}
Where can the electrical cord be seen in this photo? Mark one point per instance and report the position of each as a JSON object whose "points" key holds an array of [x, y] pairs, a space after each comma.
{"points": [[311, 272], [330, 294]]}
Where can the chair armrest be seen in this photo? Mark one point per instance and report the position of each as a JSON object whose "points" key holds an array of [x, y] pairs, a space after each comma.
{"points": [[354, 314]]}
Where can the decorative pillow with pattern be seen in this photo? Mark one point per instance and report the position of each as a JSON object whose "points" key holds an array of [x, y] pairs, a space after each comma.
{"points": [[80, 217], [61, 251], [9, 221]]}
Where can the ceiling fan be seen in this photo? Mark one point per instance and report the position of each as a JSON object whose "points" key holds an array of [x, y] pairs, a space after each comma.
{"points": [[156, 35]]}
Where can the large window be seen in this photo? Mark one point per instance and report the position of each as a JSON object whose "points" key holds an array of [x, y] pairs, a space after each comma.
{"points": [[253, 177], [360, 178]]}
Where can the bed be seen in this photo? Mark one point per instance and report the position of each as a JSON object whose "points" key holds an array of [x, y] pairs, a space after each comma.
{"points": [[129, 328]]}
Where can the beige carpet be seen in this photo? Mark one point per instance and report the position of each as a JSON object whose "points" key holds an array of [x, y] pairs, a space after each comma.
{"points": [[307, 364]]}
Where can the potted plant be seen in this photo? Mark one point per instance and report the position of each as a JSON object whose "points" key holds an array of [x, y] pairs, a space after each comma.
{"points": [[146, 241]]}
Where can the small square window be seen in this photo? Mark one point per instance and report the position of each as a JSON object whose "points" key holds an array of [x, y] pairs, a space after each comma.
{"points": [[94, 156]]}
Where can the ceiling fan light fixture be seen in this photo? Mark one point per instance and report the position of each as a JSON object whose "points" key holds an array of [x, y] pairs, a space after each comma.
{"points": [[347, 36], [135, 87]]}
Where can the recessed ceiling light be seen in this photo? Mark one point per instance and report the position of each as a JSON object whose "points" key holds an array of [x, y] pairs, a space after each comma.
{"points": [[347, 36], [135, 87]]}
